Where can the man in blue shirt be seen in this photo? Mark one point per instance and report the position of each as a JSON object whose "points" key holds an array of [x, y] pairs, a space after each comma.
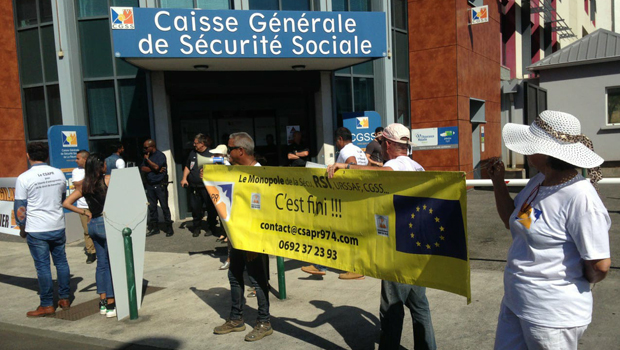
{"points": [[156, 185], [115, 161]]}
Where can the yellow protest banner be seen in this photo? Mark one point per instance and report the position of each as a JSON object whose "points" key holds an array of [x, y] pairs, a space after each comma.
{"points": [[408, 227]]}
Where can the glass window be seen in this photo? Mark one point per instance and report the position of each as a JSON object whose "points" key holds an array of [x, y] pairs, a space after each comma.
{"points": [[295, 5], [401, 96], [177, 4], [343, 96], [365, 68], [364, 94], [264, 5], [125, 69], [34, 101], [96, 48], [30, 57], [134, 107], [49, 53], [401, 55], [53, 105], [344, 71], [399, 14], [125, 3], [613, 105], [101, 108], [340, 5], [359, 5], [92, 8], [45, 8], [213, 4], [26, 12]]}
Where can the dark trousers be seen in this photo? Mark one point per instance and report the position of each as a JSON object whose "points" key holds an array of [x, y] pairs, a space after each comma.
{"points": [[258, 277], [394, 297], [159, 193], [200, 196]]}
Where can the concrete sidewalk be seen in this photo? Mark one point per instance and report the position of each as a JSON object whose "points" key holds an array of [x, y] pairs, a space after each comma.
{"points": [[325, 313]]}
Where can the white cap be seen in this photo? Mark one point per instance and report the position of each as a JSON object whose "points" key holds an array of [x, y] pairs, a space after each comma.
{"points": [[397, 133]]}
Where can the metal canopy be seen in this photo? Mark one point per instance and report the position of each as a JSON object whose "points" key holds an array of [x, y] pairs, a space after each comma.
{"points": [[558, 24]]}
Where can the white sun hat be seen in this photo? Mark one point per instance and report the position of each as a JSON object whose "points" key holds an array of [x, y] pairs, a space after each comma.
{"points": [[220, 149], [553, 133]]}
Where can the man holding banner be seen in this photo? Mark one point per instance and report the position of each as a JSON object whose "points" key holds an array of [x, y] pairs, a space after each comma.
{"points": [[394, 296], [241, 152]]}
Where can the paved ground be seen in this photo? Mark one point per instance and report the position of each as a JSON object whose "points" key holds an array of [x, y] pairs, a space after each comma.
{"points": [[322, 313]]}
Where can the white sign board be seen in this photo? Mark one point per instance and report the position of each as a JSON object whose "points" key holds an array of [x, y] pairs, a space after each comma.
{"points": [[7, 196], [479, 14]]}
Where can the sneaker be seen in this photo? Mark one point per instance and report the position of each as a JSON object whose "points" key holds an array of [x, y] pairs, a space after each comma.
{"points": [[230, 326], [351, 276], [225, 266], [261, 330], [91, 258], [103, 306], [110, 310], [312, 270]]}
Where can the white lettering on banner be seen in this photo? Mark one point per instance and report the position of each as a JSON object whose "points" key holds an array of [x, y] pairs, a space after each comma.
{"points": [[193, 41], [362, 136]]}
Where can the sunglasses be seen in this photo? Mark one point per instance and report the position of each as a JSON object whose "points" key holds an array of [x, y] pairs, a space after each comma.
{"points": [[230, 149]]}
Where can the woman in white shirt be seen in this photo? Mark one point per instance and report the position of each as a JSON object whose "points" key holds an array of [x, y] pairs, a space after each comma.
{"points": [[559, 228]]}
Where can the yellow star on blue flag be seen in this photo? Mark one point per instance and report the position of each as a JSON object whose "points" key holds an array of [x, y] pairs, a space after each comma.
{"points": [[444, 224]]}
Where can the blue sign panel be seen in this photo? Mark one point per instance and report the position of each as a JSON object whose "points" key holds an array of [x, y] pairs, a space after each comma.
{"points": [[435, 138], [64, 143], [183, 33], [362, 126]]}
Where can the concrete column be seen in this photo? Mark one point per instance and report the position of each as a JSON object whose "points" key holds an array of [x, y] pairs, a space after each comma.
{"points": [[163, 136], [69, 63], [324, 120]]}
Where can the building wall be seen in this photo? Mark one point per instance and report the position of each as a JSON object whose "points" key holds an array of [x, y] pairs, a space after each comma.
{"points": [[580, 91], [451, 62], [12, 137]]}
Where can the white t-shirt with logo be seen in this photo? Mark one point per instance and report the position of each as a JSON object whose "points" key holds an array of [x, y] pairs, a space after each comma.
{"points": [[403, 163], [543, 280], [351, 150], [43, 187], [77, 175]]}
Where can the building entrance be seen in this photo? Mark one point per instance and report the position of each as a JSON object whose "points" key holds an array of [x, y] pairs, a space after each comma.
{"points": [[263, 104]]}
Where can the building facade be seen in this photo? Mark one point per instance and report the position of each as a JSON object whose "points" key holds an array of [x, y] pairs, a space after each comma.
{"points": [[439, 71]]}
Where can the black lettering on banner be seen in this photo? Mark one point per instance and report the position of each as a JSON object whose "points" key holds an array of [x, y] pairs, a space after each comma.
{"points": [[307, 249]]}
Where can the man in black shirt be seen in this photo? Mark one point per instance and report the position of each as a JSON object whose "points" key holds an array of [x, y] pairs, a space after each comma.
{"points": [[156, 185], [298, 153], [192, 180], [373, 150]]}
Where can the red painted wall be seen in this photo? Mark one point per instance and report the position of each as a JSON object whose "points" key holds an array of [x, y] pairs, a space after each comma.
{"points": [[451, 62], [12, 136]]}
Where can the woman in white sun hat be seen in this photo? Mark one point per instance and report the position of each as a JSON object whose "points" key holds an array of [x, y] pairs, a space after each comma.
{"points": [[560, 232]]}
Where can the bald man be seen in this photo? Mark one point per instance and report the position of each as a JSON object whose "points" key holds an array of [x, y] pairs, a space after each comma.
{"points": [[156, 185]]}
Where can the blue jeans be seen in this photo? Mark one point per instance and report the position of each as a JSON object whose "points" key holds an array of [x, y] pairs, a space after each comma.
{"points": [[320, 267], [258, 277], [103, 274], [394, 296], [40, 249]]}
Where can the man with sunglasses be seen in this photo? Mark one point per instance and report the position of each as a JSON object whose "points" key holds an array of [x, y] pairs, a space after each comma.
{"points": [[156, 185], [241, 152], [193, 180]]}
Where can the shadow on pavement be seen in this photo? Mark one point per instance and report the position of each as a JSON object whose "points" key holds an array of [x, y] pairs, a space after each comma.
{"points": [[33, 284], [162, 343], [358, 328]]}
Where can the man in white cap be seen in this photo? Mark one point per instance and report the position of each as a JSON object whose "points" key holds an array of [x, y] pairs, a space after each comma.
{"points": [[394, 296]]}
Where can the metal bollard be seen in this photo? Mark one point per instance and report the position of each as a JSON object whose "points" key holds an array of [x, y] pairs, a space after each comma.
{"points": [[281, 279], [131, 275]]}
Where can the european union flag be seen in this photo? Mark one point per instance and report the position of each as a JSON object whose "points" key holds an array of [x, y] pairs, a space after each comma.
{"points": [[429, 226]]}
